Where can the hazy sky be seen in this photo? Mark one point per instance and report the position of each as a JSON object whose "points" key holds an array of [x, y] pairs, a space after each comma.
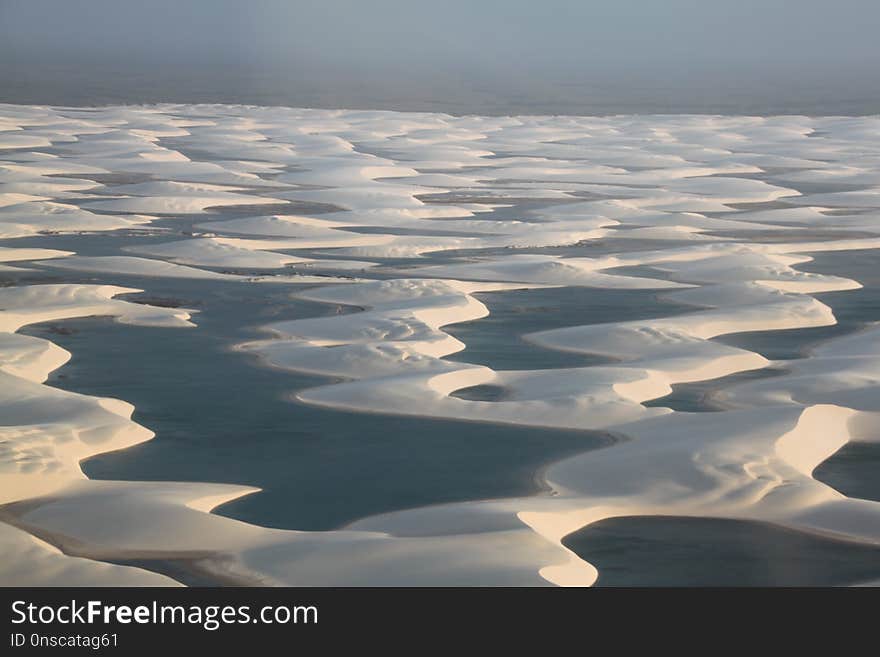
{"points": [[419, 52]]}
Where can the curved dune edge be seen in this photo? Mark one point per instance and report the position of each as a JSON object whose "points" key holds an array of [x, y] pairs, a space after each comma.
{"points": [[753, 461], [775, 486], [43, 446]]}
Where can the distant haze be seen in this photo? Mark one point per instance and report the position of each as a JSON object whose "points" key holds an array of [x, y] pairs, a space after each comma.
{"points": [[457, 56]]}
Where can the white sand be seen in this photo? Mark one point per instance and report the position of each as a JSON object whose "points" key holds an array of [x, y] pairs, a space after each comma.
{"points": [[634, 180]]}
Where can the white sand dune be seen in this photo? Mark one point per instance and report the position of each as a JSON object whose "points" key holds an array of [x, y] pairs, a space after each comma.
{"points": [[176, 198], [212, 253], [501, 203], [39, 216], [133, 266]]}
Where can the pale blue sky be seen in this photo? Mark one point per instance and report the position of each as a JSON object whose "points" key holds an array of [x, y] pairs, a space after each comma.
{"points": [[422, 52]]}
